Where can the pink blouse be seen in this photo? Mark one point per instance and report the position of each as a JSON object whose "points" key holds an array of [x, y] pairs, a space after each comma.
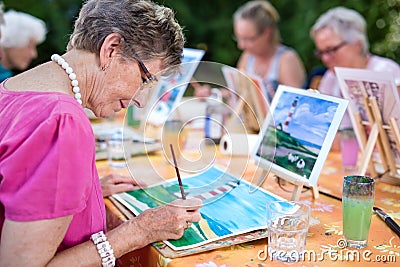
{"points": [[47, 163]]}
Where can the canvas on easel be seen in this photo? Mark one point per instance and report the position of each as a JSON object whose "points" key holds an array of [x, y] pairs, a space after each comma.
{"points": [[170, 89], [250, 101], [375, 114], [297, 135]]}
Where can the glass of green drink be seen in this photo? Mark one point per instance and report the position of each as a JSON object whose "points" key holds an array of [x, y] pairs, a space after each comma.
{"points": [[357, 203]]}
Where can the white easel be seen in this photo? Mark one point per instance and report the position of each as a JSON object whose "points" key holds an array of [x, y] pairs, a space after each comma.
{"points": [[298, 185]]}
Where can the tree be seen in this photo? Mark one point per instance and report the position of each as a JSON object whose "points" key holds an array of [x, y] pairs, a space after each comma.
{"points": [[208, 25]]}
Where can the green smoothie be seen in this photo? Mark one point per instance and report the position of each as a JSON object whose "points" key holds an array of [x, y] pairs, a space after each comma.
{"points": [[357, 217]]}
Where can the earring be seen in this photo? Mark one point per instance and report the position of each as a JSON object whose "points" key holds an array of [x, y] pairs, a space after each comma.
{"points": [[103, 68]]}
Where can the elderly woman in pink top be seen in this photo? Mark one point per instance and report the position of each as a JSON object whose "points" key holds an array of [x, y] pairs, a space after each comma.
{"points": [[51, 203], [341, 41]]}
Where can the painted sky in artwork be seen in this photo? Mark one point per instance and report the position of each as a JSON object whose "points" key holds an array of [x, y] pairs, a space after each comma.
{"points": [[311, 119]]}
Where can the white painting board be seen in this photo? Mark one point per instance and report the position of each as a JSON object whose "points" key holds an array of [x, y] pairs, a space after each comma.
{"points": [[170, 89], [298, 132]]}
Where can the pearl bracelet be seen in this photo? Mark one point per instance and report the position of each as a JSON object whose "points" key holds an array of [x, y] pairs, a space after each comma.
{"points": [[104, 249]]}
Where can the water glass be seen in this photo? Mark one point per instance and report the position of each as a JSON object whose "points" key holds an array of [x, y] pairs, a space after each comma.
{"points": [[118, 150], [357, 204], [287, 223]]}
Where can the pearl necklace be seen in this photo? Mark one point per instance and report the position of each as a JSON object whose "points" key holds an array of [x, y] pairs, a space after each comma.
{"points": [[72, 76]]}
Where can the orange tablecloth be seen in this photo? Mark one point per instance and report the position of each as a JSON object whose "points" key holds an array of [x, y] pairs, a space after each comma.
{"points": [[323, 237]]}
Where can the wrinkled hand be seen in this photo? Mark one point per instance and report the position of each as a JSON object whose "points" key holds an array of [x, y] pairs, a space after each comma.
{"points": [[116, 183], [168, 221]]}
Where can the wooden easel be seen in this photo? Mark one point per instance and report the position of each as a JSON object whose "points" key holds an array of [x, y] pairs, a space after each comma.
{"points": [[250, 103], [298, 185], [378, 137]]}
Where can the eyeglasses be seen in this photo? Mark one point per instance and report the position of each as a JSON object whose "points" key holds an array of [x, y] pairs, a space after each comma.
{"points": [[140, 98], [246, 39], [150, 78], [330, 51]]}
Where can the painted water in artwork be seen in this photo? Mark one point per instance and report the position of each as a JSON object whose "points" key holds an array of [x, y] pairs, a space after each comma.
{"points": [[295, 135], [230, 206]]}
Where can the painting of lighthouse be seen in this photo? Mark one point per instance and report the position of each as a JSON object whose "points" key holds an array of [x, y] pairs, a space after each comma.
{"points": [[298, 133]]}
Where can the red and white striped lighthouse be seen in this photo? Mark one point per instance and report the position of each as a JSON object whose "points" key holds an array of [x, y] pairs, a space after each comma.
{"points": [[289, 117]]}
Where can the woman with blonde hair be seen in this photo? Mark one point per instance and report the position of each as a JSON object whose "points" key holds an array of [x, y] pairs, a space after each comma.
{"points": [[257, 34]]}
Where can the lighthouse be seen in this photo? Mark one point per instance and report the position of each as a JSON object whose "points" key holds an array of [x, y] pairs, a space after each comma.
{"points": [[289, 117]]}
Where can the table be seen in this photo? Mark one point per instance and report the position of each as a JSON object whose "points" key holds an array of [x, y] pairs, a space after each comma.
{"points": [[323, 245]]}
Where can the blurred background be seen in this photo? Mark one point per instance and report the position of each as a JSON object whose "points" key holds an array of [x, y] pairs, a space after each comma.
{"points": [[208, 25]]}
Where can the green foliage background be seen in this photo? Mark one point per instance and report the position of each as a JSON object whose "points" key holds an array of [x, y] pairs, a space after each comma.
{"points": [[208, 24]]}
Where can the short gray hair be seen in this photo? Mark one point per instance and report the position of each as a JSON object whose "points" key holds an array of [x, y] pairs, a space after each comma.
{"points": [[263, 14], [19, 28], [149, 30], [347, 23]]}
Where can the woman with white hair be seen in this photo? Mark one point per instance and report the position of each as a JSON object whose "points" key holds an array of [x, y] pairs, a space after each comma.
{"points": [[21, 33], [341, 41]]}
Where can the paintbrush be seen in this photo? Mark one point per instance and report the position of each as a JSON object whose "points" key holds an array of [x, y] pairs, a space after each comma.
{"points": [[177, 172], [389, 221]]}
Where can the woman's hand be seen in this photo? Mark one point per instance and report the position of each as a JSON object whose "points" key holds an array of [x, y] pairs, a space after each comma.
{"points": [[168, 221], [116, 183]]}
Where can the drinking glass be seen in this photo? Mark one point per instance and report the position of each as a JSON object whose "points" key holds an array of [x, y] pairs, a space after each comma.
{"points": [[357, 204], [118, 150], [287, 223]]}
